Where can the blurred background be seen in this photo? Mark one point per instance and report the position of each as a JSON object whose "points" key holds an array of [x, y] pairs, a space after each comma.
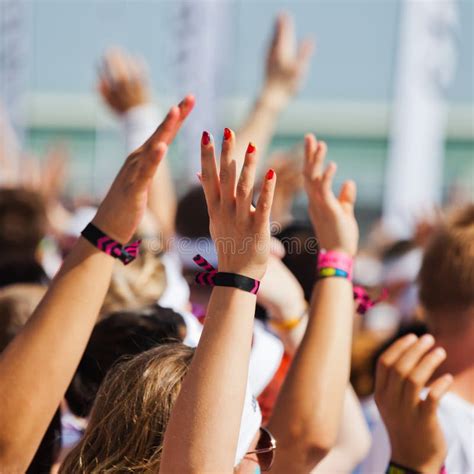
{"points": [[50, 50]]}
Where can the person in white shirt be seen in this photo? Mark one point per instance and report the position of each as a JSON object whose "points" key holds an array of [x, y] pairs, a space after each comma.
{"points": [[446, 284]]}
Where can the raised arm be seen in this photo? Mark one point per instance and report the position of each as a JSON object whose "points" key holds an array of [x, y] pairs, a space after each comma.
{"points": [[403, 371], [353, 440], [37, 367], [203, 430], [307, 415], [286, 66], [124, 86]]}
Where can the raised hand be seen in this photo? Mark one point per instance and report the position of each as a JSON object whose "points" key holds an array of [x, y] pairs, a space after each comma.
{"points": [[241, 233], [122, 209], [403, 371], [123, 81], [332, 217], [286, 64]]}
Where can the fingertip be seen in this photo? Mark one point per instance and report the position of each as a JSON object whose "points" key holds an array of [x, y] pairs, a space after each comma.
{"points": [[410, 338], [440, 353], [322, 147], [187, 102], [448, 379], [310, 145], [331, 169], [173, 112], [251, 148], [206, 139]]}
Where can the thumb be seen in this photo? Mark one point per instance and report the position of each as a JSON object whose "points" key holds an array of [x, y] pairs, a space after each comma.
{"points": [[347, 195]]}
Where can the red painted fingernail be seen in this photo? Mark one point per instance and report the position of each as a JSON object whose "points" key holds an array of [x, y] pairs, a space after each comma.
{"points": [[270, 174], [227, 133], [206, 138], [250, 148]]}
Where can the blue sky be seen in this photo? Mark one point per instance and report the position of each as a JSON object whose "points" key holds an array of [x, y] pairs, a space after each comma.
{"points": [[355, 56]]}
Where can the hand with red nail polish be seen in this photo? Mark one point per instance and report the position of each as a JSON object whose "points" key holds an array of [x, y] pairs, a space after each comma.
{"points": [[241, 232], [333, 217]]}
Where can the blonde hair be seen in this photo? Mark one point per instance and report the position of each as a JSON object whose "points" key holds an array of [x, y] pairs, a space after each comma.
{"points": [[130, 414], [446, 277], [138, 284]]}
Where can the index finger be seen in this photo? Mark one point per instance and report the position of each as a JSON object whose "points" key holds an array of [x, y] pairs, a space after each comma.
{"points": [[170, 126], [389, 357]]}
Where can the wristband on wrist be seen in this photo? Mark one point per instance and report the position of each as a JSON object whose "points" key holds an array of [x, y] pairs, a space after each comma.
{"points": [[289, 324], [124, 253], [211, 277], [395, 468], [338, 264]]}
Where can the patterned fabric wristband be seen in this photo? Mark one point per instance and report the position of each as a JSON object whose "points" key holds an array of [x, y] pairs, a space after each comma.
{"points": [[124, 253], [211, 277], [335, 260], [327, 272]]}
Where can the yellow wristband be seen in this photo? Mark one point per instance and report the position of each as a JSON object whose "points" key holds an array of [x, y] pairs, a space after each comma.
{"points": [[288, 324]]}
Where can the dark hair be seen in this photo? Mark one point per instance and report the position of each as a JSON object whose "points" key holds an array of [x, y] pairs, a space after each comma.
{"points": [[124, 333], [22, 222], [49, 449], [192, 219], [301, 254], [22, 270], [398, 249]]}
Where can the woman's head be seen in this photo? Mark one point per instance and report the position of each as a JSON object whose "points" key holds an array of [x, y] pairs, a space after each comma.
{"points": [[122, 334], [130, 413]]}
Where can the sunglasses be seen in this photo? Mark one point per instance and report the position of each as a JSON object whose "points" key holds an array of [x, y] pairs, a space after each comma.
{"points": [[265, 449]]}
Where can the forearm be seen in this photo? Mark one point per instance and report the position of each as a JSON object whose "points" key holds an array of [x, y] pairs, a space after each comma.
{"points": [[209, 408], [32, 379], [353, 441], [308, 410], [163, 203], [259, 125]]}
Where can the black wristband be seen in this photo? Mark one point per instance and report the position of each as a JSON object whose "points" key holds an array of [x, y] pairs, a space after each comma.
{"points": [[237, 281], [211, 277], [124, 253]]}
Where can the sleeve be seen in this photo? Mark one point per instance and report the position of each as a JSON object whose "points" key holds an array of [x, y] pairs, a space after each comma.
{"points": [[139, 123]]}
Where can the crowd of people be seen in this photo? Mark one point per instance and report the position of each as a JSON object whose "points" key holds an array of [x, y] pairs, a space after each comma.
{"points": [[157, 333]]}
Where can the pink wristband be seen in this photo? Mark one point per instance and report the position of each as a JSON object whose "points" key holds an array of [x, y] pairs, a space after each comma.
{"points": [[334, 259]]}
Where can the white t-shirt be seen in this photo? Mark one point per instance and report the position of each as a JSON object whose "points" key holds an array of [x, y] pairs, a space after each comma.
{"points": [[457, 421]]}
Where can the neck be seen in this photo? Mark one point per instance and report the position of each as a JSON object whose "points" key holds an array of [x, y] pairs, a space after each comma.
{"points": [[456, 336]]}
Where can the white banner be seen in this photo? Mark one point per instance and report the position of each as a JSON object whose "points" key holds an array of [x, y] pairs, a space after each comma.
{"points": [[427, 59], [201, 31]]}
